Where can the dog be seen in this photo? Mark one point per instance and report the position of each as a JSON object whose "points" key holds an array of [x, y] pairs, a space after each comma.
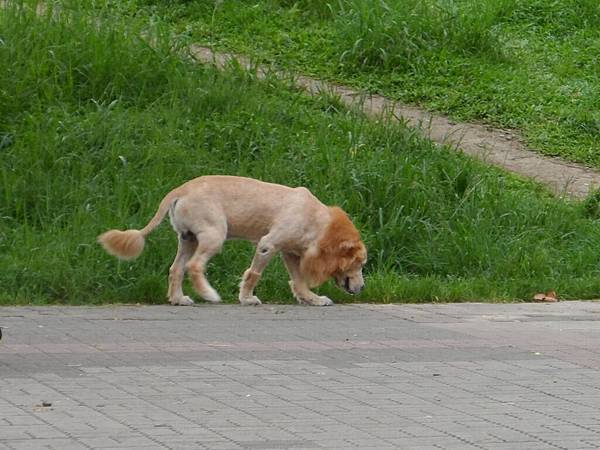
{"points": [[317, 242]]}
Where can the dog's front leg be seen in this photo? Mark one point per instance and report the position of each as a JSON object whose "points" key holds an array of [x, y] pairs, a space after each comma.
{"points": [[299, 287], [265, 250]]}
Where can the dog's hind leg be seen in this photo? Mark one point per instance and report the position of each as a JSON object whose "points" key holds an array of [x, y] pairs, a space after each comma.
{"points": [[299, 287], [185, 250], [265, 250], [209, 243]]}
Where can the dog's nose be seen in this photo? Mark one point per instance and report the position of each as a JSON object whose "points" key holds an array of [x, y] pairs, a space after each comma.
{"points": [[359, 289]]}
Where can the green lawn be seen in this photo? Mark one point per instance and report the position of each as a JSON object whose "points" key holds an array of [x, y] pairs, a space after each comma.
{"points": [[530, 65], [96, 126]]}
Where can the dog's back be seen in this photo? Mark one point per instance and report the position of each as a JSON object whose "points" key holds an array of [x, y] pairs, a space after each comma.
{"points": [[248, 207]]}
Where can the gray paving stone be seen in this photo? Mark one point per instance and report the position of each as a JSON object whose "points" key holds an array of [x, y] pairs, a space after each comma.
{"points": [[458, 376]]}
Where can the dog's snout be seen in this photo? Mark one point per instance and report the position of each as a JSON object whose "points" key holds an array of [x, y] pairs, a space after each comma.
{"points": [[350, 287], [358, 290]]}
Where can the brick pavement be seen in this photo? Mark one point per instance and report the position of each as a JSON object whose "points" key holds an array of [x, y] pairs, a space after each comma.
{"points": [[456, 376]]}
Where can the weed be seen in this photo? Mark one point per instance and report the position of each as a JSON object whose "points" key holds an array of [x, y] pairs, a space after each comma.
{"points": [[524, 64], [99, 126]]}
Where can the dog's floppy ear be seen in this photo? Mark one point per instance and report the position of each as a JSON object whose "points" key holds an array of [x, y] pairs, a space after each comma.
{"points": [[346, 252]]}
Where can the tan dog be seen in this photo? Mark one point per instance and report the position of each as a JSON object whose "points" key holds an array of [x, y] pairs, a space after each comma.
{"points": [[317, 242]]}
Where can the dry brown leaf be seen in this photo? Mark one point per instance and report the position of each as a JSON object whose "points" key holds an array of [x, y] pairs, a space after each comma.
{"points": [[548, 297]]}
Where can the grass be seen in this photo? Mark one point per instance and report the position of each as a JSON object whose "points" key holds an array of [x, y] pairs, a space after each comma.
{"points": [[530, 65], [96, 126]]}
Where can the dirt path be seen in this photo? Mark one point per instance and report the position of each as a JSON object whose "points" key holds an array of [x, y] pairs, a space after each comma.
{"points": [[493, 146]]}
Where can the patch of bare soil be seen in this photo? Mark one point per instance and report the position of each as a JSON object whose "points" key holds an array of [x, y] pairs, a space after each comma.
{"points": [[502, 148]]}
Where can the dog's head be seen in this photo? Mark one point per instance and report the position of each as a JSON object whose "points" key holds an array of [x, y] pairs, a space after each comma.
{"points": [[340, 253], [351, 259]]}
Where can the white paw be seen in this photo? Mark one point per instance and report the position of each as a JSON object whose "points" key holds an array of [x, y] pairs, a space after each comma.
{"points": [[211, 296], [323, 301], [315, 300], [182, 301], [253, 300]]}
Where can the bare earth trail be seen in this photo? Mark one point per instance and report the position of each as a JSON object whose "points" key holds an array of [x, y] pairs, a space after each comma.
{"points": [[498, 147]]}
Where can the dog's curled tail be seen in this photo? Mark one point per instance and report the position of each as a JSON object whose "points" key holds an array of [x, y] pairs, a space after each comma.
{"points": [[125, 245], [129, 244]]}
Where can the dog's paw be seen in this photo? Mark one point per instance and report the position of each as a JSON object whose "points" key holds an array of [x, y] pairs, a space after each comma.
{"points": [[315, 300], [323, 301], [253, 300], [211, 296], [182, 301]]}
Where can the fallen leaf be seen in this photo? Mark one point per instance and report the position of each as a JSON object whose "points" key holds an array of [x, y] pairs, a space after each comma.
{"points": [[548, 297]]}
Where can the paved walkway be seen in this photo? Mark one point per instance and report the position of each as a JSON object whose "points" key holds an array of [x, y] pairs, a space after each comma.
{"points": [[457, 376]]}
